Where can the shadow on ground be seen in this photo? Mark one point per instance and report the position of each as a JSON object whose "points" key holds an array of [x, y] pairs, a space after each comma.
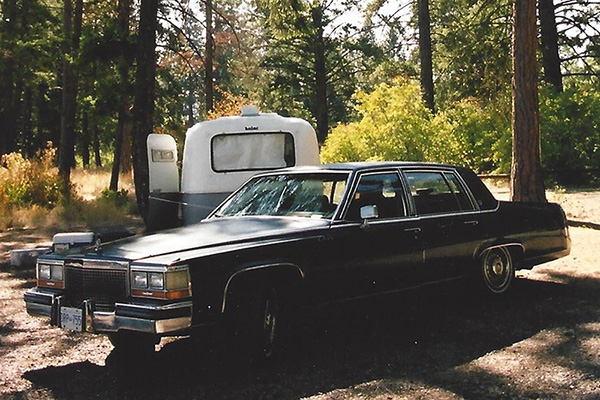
{"points": [[419, 338]]}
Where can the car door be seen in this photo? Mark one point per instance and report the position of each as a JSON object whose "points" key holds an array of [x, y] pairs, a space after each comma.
{"points": [[451, 222], [383, 253]]}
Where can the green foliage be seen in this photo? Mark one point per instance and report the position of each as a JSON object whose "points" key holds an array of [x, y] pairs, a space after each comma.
{"points": [[396, 125], [118, 198], [570, 129], [26, 182], [472, 54]]}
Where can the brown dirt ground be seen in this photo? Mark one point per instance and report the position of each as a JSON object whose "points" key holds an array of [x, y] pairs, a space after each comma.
{"points": [[542, 342]]}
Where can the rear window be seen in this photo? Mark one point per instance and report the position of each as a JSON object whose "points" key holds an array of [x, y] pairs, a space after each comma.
{"points": [[252, 151]]}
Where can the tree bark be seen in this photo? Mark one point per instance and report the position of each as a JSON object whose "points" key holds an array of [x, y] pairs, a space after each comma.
{"points": [[549, 38], [209, 59], [526, 174], [85, 139], [321, 101], [425, 54], [7, 80], [72, 19], [143, 109], [96, 140], [124, 8]]}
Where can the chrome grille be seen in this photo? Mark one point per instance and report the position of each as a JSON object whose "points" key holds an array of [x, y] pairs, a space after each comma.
{"points": [[102, 286]]}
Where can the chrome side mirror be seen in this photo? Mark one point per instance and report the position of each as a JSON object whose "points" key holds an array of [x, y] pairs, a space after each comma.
{"points": [[367, 213]]}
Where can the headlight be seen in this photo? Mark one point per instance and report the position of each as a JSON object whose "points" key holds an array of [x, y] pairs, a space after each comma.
{"points": [[172, 282], [44, 272], [139, 280], [50, 274], [157, 280]]}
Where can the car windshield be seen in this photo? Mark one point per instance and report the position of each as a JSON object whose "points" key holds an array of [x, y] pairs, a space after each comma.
{"points": [[314, 195]]}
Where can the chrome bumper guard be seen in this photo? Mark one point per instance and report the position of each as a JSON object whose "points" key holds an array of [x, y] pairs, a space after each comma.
{"points": [[149, 318]]}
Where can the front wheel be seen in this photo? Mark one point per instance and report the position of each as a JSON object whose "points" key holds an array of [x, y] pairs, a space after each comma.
{"points": [[133, 342], [497, 270], [256, 325]]}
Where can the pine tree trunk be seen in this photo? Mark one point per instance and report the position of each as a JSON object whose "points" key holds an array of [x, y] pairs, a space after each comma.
{"points": [[526, 174], [209, 58], [96, 141], [549, 36], [85, 139], [72, 27], [7, 80], [123, 118], [425, 54], [143, 110], [321, 102]]}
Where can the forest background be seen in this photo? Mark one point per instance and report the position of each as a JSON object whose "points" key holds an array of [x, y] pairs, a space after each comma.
{"points": [[426, 80]]}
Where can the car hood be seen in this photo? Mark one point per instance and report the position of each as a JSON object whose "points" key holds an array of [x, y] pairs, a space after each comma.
{"points": [[210, 233]]}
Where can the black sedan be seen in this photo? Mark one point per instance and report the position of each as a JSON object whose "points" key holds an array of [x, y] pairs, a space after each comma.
{"points": [[299, 237]]}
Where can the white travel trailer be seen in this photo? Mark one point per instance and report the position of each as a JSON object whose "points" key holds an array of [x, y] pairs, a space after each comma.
{"points": [[218, 156]]}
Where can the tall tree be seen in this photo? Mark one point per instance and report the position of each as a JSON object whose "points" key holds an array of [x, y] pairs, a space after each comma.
{"points": [[425, 54], [143, 109], [321, 104], [526, 173], [209, 56], [72, 21], [124, 7], [549, 38]]}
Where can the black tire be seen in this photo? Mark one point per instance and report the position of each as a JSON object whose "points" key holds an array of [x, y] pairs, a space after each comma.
{"points": [[497, 270], [127, 342], [255, 324]]}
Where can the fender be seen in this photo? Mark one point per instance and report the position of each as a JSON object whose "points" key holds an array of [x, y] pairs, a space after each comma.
{"points": [[494, 245], [259, 268]]}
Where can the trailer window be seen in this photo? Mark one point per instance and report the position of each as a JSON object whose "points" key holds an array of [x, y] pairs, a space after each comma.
{"points": [[252, 151]]}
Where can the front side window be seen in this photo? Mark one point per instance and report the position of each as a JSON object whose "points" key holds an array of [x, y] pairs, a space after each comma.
{"points": [[303, 195], [437, 192], [382, 190], [252, 151]]}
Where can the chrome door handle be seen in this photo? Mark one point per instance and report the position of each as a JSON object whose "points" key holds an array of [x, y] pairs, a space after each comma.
{"points": [[415, 230], [474, 222]]}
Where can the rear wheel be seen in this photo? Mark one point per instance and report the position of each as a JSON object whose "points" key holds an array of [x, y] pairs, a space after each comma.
{"points": [[497, 270]]}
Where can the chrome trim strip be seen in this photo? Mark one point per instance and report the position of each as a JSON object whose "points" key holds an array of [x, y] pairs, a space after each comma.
{"points": [[497, 246], [50, 262], [254, 269], [159, 307], [98, 264], [109, 322]]}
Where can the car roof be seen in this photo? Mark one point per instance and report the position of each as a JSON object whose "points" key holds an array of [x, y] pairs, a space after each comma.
{"points": [[360, 166]]}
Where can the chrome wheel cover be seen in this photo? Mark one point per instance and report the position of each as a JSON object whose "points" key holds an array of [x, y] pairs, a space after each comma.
{"points": [[498, 270]]}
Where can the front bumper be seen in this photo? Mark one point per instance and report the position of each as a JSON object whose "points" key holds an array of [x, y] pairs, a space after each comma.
{"points": [[161, 319]]}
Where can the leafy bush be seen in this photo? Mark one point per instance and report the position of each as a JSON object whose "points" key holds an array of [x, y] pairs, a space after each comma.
{"points": [[570, 130], [396, 125], [119, 198], [27, 182]]}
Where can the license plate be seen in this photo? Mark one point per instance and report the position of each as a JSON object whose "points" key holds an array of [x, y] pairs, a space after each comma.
{"points": [[71, 318]]}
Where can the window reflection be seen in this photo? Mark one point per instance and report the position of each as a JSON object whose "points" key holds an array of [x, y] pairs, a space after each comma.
{"points": [[305, 195]]}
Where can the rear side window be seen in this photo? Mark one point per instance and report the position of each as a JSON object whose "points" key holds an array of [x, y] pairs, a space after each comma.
{"points": [[252, 151], [437, 192]]}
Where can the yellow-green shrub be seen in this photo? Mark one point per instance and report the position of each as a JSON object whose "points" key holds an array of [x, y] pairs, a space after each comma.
{"points": [[26, 182]]}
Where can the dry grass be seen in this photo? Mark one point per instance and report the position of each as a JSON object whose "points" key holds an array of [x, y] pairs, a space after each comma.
{"points": [[88, 210], [89, 183]]}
